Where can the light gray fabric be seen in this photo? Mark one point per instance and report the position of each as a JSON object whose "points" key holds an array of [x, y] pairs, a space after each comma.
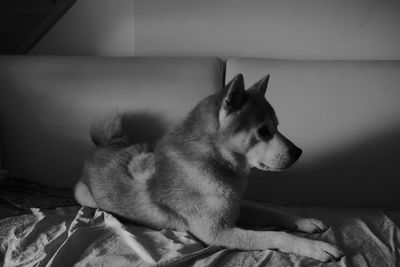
{"points": [[48, 102], [82, 237], [345, 115]]}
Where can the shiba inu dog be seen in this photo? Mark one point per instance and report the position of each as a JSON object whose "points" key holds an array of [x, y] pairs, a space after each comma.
{"points": [[195, 177]]}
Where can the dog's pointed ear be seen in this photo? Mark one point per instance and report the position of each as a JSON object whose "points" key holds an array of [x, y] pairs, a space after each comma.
{"points": [[261, 85], [234, 94]]}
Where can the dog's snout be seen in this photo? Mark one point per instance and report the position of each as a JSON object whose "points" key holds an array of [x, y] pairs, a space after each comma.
{"points": [[295, 152]]}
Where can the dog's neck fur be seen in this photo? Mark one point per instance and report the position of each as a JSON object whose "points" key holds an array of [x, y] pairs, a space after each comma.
{"points": [[200, 127]]}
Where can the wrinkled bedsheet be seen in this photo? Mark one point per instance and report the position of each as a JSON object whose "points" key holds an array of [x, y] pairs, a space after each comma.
{"points": [[86, 237]]}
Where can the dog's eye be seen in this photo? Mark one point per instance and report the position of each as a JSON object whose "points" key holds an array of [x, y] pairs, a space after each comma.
{"points": [[264, 132]]}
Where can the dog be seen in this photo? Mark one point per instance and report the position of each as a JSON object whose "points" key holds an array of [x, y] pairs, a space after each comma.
{"points": [[195, 177]]}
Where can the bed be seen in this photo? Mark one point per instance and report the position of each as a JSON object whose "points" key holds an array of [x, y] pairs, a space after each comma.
{"points": [[43, 226], [47, 103]]}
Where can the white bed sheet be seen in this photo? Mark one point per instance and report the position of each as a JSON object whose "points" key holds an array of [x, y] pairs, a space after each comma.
{"points": [[78, 236]]}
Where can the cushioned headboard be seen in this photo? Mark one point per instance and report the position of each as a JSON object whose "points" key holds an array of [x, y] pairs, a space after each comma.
{"points": [[47, 103], [345, 115]]}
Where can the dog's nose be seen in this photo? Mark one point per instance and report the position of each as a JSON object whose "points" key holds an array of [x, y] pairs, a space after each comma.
{"points": [[295, 152]]}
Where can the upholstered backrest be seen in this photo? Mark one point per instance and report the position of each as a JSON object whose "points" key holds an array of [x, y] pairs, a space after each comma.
{"points": [[345, 115], [48, 102]]}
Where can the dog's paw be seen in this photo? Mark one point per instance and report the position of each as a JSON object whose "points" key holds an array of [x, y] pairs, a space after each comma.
{"points": [[310, 225], [323, 251]]}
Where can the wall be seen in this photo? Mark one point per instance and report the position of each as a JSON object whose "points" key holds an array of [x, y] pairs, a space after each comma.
{"points": [[92, 27], [307, 29]]}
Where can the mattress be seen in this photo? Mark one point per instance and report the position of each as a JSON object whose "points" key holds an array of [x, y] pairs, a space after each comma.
{"points": [[45, 227]]}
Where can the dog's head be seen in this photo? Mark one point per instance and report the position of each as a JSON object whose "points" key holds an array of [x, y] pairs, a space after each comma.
{"points": [[248, 125]]}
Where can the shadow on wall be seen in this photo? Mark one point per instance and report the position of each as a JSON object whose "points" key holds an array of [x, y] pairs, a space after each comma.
{"points": [[360, 175], [144, 127], [41, 147], [62, 152], [92, 27]]}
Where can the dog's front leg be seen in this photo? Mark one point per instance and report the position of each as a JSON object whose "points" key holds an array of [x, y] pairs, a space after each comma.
{"points": [[237, 238], [254, 214]]}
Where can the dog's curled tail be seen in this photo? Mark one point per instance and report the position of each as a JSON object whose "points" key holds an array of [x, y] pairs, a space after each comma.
{"points": [[108, 131]]}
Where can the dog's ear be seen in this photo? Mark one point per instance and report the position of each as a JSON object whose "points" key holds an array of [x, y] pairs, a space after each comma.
{"points": [[234, 94], [261, 85]]}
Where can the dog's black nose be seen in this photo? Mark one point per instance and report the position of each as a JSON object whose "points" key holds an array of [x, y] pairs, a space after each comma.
{"points": [[295, 152]]}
